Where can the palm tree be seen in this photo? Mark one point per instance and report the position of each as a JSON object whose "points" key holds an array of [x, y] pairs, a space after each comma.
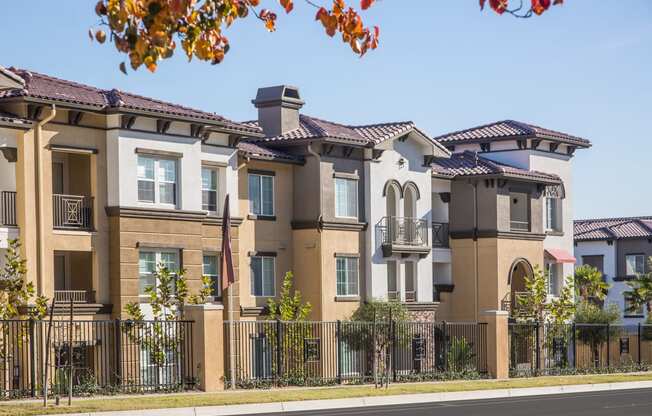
{"points": [[589, 284], [641, 293]]}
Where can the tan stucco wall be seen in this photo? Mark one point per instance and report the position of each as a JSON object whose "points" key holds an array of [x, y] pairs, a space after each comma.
{"points": [[495, 257]]}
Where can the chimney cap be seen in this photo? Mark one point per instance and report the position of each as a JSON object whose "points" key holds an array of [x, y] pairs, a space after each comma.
{"points": [[283, 95]]}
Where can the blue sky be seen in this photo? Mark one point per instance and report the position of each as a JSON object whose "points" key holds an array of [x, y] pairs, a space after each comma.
{"points": [[584, 68]]}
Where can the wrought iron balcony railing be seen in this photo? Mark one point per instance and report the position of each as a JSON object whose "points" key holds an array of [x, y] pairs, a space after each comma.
{"points": [[440, 235], [72, 212], [403, 231], [519, 225], [8, 208]]}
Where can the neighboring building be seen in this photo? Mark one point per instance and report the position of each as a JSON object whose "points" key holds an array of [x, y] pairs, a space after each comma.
{"points": [[620, 249], [109, 184]]}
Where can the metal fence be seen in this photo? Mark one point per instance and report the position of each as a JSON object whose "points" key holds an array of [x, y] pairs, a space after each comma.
{"points": [[266, 353], [585, 348], [101, 357]]}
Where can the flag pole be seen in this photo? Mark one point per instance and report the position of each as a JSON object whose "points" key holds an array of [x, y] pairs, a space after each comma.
{"points": [[231, 340], [228, 282]]}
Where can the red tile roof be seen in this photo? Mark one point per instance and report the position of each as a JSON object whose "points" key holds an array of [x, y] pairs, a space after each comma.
{"points": [[509, 129], [257, 151], [13, 119], [49, 88], [469, 163], [613, 228], [311, 128]]}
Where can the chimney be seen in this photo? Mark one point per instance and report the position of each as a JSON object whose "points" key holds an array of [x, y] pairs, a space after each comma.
{"points": [[278, 109]]}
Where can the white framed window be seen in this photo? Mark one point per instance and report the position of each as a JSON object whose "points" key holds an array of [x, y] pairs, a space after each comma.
{"points": [[554, 214], [209, 189], [392, 281], [261, 194], [635, 264], [261, 364], [346, 198], [554, 271], [347, 275], [149, 261], [263, 276], [157, 180], [210, 268], [631, 310]]}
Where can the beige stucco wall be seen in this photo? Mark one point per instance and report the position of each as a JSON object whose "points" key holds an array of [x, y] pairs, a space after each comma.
{"points": [[495, 258]]}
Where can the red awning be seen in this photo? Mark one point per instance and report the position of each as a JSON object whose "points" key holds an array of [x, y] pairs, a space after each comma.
{"points": [[560, 255]]}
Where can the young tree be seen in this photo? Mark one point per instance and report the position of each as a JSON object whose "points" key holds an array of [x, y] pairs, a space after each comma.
{"points": [[290, 306], [148, 31], [534, 305], [17, 297], [589, 284], [599, 328]]}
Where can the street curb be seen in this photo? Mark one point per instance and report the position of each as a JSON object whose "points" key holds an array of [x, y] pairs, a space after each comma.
{"points": [[311, 405]]}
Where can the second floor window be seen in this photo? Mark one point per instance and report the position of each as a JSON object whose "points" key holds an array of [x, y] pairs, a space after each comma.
{"points": [[553, 214], [347, 276], [519, 212], [262, 276], [555, 271], [346, 198], [634, 264], [157, 180], [148, 263], [209, 189], [261, 194]]}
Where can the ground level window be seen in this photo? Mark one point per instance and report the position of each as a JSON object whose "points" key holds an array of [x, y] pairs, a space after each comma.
{"points": [[148, 263], [631, 309], [261, 363], [210, 269], [347, 276]]}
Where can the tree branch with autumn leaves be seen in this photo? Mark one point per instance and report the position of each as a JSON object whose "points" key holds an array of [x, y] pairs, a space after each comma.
{"points": [[148, 31]]}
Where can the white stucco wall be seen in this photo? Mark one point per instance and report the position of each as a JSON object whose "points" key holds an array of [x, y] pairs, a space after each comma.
{"points": [[377, 174], [123, 161]]}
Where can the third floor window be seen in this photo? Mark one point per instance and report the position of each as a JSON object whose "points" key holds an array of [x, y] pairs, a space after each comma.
{"points": [[157, 180], [261, 194], [346, 198]]}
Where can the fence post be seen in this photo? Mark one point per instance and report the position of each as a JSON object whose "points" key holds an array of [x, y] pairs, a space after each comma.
{"points": [[392, 361], [444, 346], [538, 347], [608, 347], [208, 346], [279, 364], [574, 338], [496, 348], [639, 345], [338, 337], [117, 339], [32, 357]]}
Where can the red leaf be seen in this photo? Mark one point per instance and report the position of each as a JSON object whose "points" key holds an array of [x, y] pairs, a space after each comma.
{"points": [[556, 2], [482, 2], [365, 4], [540, 6], [499, 6], [288, 5]]}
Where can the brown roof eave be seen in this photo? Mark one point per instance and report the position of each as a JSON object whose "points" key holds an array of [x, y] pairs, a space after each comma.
{"points": [[16, 126], [63, 104], [577, 143], [250, 156]]}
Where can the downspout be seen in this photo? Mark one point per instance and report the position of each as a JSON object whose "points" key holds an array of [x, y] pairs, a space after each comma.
{"points": [[321, 207], [475, 247], [40, 232]]}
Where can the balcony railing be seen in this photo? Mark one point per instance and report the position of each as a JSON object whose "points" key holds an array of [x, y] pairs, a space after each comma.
{"points": [[440, 235], [76, 296], [410, 296], [8, 208], [403, 231], [519, 225], [72, 212]]}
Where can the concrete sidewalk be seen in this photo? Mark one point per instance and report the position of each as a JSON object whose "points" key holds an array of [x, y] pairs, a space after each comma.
{"points": [[311, 405]]}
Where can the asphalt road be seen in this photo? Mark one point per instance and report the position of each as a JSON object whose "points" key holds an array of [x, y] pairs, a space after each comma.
{"points": [[620, 403]]}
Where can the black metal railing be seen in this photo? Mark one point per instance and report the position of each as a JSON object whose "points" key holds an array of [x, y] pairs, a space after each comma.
{"points": [[74, 296], [403, 231], [275, 353], [72, 212], [102, 356], [546, 349], [519, 225], [8, 208], [440, 235]]}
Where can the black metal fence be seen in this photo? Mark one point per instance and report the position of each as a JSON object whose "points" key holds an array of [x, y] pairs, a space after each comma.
{"points": [[266, 353], [578, 348], [101, 357]]}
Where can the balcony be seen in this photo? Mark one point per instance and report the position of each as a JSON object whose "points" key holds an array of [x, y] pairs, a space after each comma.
{"points": [[403, 235], [74, 296], [440, 235], [8, 209], [522, 226], [72, 212]]}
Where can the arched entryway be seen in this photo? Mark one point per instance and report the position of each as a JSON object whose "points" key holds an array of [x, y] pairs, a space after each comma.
{"points": [[520, 269]]}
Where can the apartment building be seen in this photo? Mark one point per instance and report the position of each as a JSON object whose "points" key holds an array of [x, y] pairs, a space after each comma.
{"points": [[620, 248], [101, 186]]}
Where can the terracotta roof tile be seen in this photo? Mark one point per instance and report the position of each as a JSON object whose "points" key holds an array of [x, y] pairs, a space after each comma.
{"points": [[471, 164], [257, 151], [613, 228], [509, 128], [11, 118]]}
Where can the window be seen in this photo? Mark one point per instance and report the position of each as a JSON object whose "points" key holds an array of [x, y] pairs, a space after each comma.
{"points": [[346, 198], [347, 276], [156, 371], [157, 180], [261, 194], [262, 357], [210, 264], [635, 264], [553, 214], [262, 276], [392, 281], [410, 282], [209, 189], [555, 271], [632, 310], [350, 362], [519, 211], [148, 263]]}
